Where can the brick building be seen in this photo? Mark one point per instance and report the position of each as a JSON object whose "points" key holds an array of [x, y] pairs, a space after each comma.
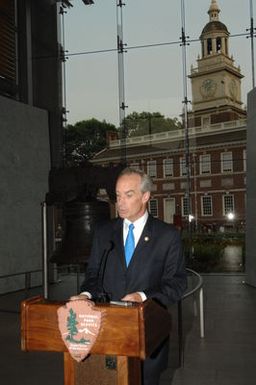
{"points": [[217, 144]]}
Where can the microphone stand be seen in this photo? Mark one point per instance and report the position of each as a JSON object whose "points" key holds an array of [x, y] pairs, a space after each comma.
{"points": [[103, 296]]}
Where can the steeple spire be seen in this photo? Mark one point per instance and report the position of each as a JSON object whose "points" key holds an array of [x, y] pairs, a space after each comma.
{"points": [[214, 11]]}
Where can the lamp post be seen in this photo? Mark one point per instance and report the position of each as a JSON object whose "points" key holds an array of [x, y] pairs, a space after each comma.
{"points": [[231, 218]]}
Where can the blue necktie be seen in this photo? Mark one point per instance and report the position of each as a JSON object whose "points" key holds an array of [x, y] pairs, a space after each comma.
{"points": [[129, 244]]}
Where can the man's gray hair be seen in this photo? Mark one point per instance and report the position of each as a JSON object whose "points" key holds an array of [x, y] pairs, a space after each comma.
{"points": [[146, 182]]}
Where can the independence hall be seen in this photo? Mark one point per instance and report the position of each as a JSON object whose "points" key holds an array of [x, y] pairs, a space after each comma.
{"points": [[217, 144]]}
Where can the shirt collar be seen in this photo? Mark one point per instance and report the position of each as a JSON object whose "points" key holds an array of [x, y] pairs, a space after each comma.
{"points": [[139, 222]]}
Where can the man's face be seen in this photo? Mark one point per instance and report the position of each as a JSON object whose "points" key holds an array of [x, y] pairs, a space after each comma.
{"points": [[130, 201]]}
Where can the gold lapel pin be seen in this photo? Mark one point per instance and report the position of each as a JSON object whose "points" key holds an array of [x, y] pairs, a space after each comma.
{"points": [[146, 239]]}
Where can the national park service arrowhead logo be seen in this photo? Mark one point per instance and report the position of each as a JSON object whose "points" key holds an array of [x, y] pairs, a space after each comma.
{"points": [[79, 325]]}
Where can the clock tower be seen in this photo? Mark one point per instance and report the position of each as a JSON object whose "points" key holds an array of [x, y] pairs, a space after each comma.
{"points": [[216, 82]]}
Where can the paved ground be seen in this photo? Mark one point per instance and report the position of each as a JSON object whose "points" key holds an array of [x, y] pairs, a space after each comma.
{"points": [[226, 356]]}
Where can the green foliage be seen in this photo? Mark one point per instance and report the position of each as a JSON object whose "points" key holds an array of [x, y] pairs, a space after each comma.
{"points": [[146, 123], [206, 253], [84, 139], [71, 326]]}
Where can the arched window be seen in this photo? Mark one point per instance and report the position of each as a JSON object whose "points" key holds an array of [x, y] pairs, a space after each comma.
{"points": [[218, 44], [202, 45], [209, 46], [226, 46]]}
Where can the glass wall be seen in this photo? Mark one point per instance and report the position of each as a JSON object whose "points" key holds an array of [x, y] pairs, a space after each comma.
{"points": [[172, 77]]}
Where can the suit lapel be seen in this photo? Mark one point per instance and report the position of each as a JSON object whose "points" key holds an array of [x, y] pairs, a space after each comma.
{"points": [[144, 241]]}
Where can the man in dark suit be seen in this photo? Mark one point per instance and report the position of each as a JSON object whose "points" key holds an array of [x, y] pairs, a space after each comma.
{"points": [[155, 268]]}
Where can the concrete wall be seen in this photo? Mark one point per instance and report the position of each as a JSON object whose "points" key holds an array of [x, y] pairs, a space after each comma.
{"points": [[24, 167], [250, 265]]}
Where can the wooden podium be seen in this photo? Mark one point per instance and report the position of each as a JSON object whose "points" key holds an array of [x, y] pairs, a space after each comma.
{"points": [[127, 336]]}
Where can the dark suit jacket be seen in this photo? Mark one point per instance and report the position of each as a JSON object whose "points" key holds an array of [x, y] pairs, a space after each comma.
{"points": [[157, 266]]}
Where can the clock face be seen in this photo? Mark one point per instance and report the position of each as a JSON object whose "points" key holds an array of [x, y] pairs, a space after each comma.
{"points": [[208, 87]]}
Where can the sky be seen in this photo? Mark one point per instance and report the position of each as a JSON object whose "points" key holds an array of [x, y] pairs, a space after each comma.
{"points": [[153, 76]]}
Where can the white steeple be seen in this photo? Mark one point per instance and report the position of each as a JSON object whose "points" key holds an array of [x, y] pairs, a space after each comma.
{"points": [[216, 81], [214, 11]]}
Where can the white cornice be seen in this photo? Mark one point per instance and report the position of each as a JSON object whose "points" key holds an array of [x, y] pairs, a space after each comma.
{"points": [[172, 136]]}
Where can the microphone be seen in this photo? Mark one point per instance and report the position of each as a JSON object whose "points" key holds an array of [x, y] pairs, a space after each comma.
{"points": [[103, 296]]}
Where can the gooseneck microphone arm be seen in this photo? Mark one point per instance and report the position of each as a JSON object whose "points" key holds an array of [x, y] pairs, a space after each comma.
{"points": [[102, 295]]}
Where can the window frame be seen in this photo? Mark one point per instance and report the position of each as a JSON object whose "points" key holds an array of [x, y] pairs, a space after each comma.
{"points": [[207, 164], [155, 208], [183, 205], [203, 208], [226, 170], [226, 210], [152, 164], [168, 164]]}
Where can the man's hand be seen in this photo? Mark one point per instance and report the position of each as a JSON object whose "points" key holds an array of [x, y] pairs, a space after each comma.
{"points": [[79, 297], [133, 297]]}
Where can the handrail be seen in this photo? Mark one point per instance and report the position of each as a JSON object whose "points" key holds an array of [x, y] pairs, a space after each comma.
{"points": [[193, 291], [27, 275], [21, 273], [198, 286]]}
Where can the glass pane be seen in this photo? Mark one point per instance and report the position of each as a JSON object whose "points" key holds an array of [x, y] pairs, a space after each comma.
{"points": [[155, 110]]}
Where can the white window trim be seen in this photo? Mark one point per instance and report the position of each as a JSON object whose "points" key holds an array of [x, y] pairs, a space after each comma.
{"points": [[207, 162], [222, 162], [202, 206], [152, 163], [223, 203], [149, 206], [182, 207], [170, 165]]}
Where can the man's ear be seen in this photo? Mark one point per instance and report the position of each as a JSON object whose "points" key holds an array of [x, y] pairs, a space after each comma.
{"points": [[146, 197]]}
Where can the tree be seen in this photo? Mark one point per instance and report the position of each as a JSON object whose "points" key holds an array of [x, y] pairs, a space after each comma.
{"points": [[146, 123], [71, 325], [84, 139], [73, 331], [87, 137]]}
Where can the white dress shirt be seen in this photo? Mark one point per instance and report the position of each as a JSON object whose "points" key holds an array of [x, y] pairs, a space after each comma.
{"points": [[137, 231], [138, 227]]}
